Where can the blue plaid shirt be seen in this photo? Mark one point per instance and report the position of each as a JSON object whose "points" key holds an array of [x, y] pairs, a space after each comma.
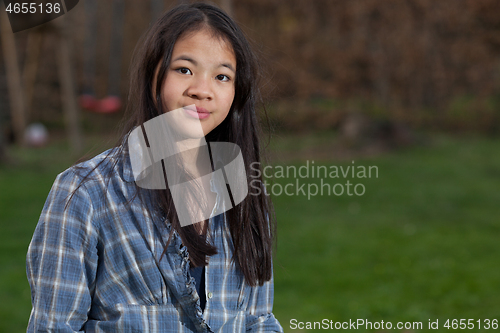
{"points": [[93, 265]]}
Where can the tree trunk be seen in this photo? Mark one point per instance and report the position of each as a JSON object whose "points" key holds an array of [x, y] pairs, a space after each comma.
{"points": [[16, 94], [68, 93]]}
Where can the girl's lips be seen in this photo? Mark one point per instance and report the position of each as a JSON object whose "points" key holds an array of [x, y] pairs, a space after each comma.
{"points": [[197, 112]]}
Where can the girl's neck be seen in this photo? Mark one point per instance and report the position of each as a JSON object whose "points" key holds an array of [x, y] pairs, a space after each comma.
{"points": [[196, 162], [195, 158]]}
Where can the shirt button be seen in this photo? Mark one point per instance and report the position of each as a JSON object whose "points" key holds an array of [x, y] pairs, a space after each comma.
{"points": [[210, 295]]}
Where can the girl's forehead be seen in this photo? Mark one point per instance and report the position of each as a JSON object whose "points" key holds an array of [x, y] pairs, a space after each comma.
{"points": [[204, 37]]}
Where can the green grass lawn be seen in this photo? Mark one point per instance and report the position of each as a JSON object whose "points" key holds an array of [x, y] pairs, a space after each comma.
{"points": [[421, 243]]}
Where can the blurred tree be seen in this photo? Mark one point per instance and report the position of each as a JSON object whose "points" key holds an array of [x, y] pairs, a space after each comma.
{"points": [[68, 88], [16, 95], [410, 55], [409, 60]]}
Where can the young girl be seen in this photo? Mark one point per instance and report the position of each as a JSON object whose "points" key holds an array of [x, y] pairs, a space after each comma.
{"points": [[110, 253]]}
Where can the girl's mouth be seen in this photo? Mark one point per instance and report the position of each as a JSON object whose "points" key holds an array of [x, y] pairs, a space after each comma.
{"points": [[196, 112]]}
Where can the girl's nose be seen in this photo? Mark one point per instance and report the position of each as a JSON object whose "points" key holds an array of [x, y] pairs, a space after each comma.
{"points": [[199, 88]]}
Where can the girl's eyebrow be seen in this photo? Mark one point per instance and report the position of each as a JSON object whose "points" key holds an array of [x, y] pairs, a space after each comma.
{"points": [[184, 57], [229, 66], [194, 62]]}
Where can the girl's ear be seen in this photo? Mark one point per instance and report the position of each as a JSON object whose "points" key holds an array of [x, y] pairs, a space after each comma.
{"points": [[153, 84]]}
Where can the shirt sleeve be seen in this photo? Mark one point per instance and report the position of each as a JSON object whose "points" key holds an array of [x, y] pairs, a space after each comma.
{"points": [[259, 312], [62, 259]]}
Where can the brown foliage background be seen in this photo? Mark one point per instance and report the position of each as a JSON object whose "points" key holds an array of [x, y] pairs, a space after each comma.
{"points": [[409, 52], [424, 62]]}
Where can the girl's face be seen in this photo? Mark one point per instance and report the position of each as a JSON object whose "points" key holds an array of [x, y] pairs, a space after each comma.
{"points": [[200, 80]]}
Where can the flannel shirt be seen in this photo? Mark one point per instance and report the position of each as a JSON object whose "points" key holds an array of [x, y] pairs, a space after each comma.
{"points": [[93, 265]]}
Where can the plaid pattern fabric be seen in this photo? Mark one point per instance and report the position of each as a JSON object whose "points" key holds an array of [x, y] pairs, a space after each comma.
{"points": [[93, 265]]}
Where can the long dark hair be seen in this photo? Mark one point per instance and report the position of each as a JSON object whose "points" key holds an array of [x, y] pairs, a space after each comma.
{"points": [[252, 222]]}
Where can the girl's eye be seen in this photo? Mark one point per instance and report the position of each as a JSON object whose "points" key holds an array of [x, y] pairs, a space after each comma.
{"points": [[184, 70], [222, 77]]}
